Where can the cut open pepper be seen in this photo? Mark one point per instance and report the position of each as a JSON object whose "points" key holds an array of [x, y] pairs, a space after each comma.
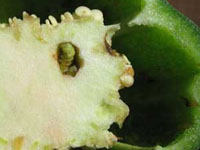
{"points": [[164, 49]]}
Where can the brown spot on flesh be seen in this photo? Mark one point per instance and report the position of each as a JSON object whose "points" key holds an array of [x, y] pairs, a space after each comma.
{"points": [[190, 103], [109, 49], [55, 56], [119, 138], [17, 143], [107, 45], [193, 104], [130, 71]]}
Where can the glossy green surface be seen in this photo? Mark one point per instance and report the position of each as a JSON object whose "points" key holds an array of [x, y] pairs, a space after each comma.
{"points": [[164, 49]]}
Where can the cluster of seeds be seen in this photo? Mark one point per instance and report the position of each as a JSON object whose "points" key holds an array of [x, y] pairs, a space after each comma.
{"points": [[80, 12]]}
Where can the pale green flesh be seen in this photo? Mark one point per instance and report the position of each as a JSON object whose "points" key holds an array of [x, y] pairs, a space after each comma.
{"points": [[47, 108]]}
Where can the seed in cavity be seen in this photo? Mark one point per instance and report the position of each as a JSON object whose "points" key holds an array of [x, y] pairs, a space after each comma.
{"points": [[126, 80], [53, 21], [97, 15], [83, 11], [68, 16], [34, 16], [47, 23]]}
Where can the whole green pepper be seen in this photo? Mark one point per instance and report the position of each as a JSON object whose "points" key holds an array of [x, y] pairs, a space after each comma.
{"points": [[164, 48]]}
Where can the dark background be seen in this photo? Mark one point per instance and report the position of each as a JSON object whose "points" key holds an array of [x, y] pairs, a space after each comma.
{"points": [[190, 8]]}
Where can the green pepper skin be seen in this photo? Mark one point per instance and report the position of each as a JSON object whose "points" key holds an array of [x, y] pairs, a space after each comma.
{"points": [[164, 49], [164, 45]]}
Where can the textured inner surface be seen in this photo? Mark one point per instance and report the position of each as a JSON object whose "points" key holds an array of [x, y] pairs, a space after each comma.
{"points": [[159, 113], [160, 107], [42, 108]]}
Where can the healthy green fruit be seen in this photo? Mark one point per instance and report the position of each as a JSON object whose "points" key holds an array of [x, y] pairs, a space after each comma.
{"points": [[59, 82]]}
